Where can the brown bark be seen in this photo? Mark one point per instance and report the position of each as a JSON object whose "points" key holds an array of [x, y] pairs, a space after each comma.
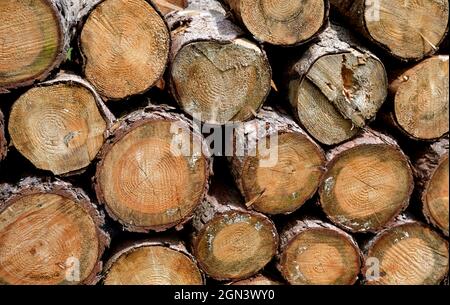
{"points": [[3, 143]]}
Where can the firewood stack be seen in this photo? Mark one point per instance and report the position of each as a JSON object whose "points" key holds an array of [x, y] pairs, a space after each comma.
{"points": [[242, 142]]}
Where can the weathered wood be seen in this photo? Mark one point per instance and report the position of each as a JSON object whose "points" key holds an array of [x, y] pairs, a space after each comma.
{"points": [[408, 30], [153, 171], [50, 233], [60, 125], [276, 165], [368, 183], [336, 87], [313, 252], [215, 74], [284, 23]]}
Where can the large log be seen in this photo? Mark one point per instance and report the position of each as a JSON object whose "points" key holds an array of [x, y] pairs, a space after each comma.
{"points": [[153, 172], [407, 253], [336, 87], [60, 125], [50, 233], [408, 30], [285, 23], [35, 37], [215, 74], [230, 242], [432, 179], [368, 183], [313, 252], [165, 262], [277, 178], [125, 46], [3, 143], [420, 98]]}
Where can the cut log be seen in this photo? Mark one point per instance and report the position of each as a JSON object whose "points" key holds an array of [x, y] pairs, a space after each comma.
{"points": [[50, 233], [125, 45], [215, 75], [317, 253], [336, 87], [408, 30], [408, 253], [35, 37], [3, 143], [152, 263], [230, 242], [257, 280], [368, 183], [284, 23], [153, 172], [420, 97], [167, 6], [276, 178], [431, 171], [60, 125]]}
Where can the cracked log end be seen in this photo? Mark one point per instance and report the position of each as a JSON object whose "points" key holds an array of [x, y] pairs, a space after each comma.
{"points": [[125, 45], [30, 41]]}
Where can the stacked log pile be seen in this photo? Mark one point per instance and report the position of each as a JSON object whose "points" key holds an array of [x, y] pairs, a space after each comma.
{"points": [[241, 142]]}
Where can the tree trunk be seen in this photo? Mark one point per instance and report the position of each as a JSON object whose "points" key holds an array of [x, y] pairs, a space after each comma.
{"points": [[35, 38], [3, 143], [153, 172], [276, 178], [285, 23], [230, 242], [431, 172], [60, 125], [336, 87], [125, 46], [368, 183], [420, 99], [317, 253], [215, 75], [50, 233], [168, 6], [408, 30], [257, 280], [156, 262], [407, 253]]}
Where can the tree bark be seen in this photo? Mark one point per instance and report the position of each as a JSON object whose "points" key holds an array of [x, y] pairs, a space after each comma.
{"points": [[368, 183], [60, 125], [3, 143], [336, 87], [36, 218], [407, 30], [313, 252], [288, 23], [153, 262], [215, 75], [406, 253], [276, 178], [153, 171], [431, 172], [230, 242]]}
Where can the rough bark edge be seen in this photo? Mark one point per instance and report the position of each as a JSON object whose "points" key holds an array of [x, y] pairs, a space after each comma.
{"points": [[368, 137], [3, 143], [297, 227], [84, 59], [424, 169], [32, 185], [128, 123]]}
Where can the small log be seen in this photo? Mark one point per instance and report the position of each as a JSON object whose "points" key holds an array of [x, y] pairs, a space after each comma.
{"points": [[50, 232], [407, 253], [168, 6], [280, 179], [285, 23], [368, 183], [407, 30], [317, 253], [336, 87], [431, 172], [125, 46], [257, 280], [153, 263], [60, 125], [153, 172], [230, 242], [215, 74]]}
